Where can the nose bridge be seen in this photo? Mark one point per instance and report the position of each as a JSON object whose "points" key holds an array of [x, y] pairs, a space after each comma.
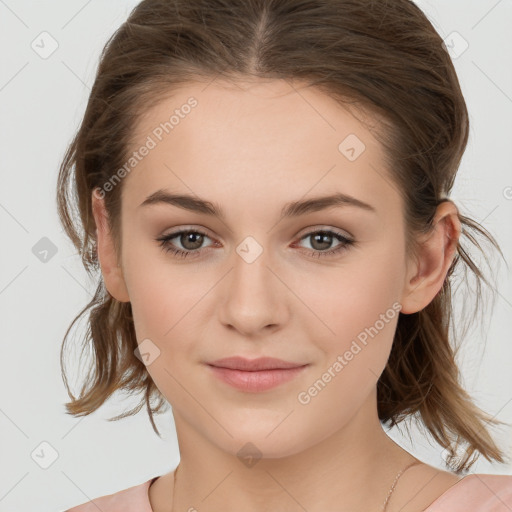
{"points": [[253, 295]]}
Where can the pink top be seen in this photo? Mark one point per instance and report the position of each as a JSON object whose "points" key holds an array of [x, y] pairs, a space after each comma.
{"points": [[474, 492]]}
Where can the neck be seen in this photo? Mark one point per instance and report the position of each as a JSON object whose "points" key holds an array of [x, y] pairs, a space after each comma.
{"points": [[351, 469]]}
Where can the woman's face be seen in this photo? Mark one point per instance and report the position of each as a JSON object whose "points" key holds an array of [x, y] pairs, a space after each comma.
{"points": [[255, 283]]}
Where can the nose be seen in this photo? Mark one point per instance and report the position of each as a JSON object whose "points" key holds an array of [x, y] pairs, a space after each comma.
{"points": [[253, 298]]}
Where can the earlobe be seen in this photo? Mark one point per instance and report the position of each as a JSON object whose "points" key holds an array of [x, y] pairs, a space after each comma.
{"points": [[110, 268], [436, 253]]}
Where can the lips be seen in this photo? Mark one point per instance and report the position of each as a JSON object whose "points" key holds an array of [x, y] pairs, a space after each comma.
{"points": [[254, 365], [255, 375]]}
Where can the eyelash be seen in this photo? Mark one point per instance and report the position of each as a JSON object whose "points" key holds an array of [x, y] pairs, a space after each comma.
{"points": [[169, 248]]}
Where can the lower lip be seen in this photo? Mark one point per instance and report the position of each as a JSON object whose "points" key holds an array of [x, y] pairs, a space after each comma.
{"points": [[256, 381]]}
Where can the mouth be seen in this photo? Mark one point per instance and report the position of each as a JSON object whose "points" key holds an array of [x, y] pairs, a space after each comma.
{"points": [[261, 363], [255, 375]]}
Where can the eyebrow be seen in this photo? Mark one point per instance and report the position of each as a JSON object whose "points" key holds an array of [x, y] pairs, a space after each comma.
{"points": [[291, 209]]}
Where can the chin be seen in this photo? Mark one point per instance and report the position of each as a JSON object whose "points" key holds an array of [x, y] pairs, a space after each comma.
{"points": [[252, 445]]}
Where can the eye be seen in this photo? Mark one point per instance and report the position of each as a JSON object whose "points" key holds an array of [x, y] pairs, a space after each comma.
{"points": [[321, 240], [190, 240]]}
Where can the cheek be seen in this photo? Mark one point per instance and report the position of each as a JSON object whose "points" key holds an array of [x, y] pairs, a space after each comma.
{"points": [[361, 310], [165, 300], [358, 305], [162, 293]]}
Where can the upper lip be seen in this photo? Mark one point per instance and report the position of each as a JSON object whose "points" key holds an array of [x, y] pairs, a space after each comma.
{"points": [[262, 363]]}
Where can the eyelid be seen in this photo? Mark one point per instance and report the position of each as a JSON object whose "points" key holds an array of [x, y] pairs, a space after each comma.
{"points": [[185, 229], [325, 227]]}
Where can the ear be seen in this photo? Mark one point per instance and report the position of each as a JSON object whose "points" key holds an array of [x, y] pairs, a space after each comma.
{"points": [[426, 275], [112, 272]]}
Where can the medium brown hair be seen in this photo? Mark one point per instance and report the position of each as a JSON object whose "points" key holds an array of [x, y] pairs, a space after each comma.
{"points": [[376, 56]]}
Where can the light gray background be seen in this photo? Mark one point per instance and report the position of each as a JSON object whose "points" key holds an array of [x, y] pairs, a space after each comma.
{"points": [[42, 101]]}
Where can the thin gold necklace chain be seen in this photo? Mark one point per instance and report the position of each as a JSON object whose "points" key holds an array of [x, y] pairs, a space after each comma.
{"points": [[399, 474], [384, 505]]}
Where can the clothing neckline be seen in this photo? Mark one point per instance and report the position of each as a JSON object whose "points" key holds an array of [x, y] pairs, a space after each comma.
{"points": [[149, 483], [445, 494], [436, 502]]}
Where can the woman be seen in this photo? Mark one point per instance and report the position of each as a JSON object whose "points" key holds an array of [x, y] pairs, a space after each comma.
{"points": [[264, 185]]}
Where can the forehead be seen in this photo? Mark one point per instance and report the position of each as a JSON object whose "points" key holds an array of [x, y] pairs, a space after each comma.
{"points": [[272, 139]]}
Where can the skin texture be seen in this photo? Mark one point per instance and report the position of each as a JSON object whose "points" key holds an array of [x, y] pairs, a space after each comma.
{"points": [[251, 148]]}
